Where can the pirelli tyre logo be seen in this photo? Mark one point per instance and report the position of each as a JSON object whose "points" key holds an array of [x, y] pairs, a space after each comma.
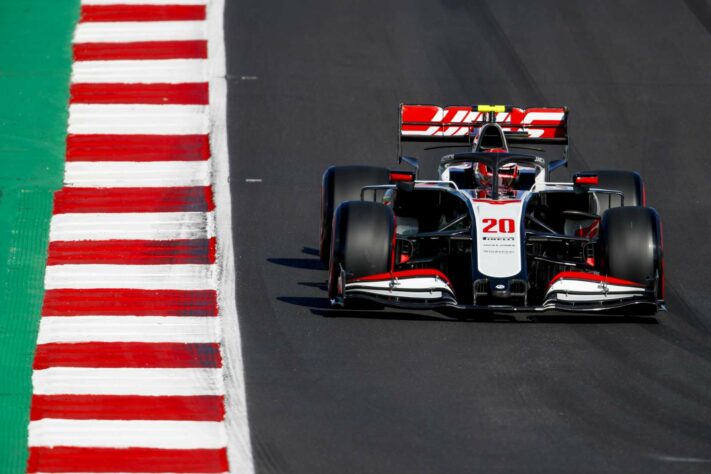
{"points": [[499, 239]]}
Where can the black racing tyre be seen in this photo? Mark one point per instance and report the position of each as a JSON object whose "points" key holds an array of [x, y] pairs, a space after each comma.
{"points": [[362, 241], [631, 244], [629, 182], [344, 183]]}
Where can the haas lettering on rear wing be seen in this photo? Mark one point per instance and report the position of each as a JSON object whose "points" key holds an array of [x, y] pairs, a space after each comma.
{"points": [[458, 123]]}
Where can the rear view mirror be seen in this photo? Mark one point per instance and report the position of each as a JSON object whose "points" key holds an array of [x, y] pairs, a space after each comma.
{"points": [[409, 160]]}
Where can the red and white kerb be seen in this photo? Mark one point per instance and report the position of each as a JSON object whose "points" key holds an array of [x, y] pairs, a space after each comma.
{"points": [[128, 372]]}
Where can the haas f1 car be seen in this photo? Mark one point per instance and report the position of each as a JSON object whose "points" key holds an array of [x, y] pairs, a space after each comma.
{"points": [[493, 232]]}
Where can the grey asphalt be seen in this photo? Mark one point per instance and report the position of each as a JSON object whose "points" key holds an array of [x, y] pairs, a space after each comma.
{"points": [[317, 82]]}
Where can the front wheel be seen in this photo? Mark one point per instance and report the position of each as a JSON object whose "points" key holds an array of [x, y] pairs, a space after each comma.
{"points": [[631, 246], [362, 243]]}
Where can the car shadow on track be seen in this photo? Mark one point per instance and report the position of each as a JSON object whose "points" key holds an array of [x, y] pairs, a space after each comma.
{"points": [[321, 307], [301, 263]]}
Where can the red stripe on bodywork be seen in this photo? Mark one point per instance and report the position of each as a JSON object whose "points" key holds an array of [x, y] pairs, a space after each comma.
{"points": [[494, 202], [166, 355], [191, 93], [422, 272], [134, 252], [93, 13], [128, 407], [191, 49], [138, 147], [173, 199], [71, 459], [128, 302], [593, 277]]}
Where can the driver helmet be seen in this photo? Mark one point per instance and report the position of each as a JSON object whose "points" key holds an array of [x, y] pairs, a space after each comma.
{"points": [[507, 175]]}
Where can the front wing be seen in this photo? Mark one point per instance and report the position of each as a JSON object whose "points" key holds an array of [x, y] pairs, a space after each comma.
{"points": [[568, 291]]}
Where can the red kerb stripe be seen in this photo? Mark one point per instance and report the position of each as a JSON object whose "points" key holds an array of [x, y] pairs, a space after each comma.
{"points": [[135, 252], [71, 459], [128, 407], [138, 147], [128, 302], [173, 199], [91, 13], [192, 49], [166, 355], [192, 93]]}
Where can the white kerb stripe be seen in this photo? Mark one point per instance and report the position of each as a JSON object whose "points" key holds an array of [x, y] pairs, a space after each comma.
{"points": [[186, 329], [134, 31], [143, 2], [128, 434], [170, 71], [138, 225], [100, 174], [153, 382], [138, 119], [146, 277]]}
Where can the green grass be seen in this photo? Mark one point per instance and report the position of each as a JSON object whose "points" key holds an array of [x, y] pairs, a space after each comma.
{"points": [[35, 63]]}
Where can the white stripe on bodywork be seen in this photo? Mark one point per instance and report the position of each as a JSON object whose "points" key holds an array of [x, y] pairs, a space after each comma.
{"points": [[161, 434], [420, 287], [138, 119], [139, 225], [169, 71], [186, 329], [122, 381], [98, 174], [146, 277], [135, 31], [434, 294], [418, 283], [589, 291]]}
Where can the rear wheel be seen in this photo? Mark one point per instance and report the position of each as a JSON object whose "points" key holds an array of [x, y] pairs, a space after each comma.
{"points": [[628, 182], [344, 183], [362, 242], [631, 245]]}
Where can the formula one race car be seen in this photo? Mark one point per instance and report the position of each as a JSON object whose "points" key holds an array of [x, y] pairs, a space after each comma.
{"points": [[493, 232]]}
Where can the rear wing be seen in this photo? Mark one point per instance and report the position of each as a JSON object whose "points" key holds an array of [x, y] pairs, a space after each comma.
{"points": [[457, 123]]}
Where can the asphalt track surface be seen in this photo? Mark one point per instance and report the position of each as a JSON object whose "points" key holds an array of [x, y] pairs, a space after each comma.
{"points": [[314, 83]]}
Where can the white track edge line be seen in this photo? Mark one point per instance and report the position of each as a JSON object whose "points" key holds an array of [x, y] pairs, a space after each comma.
{"points": [[239, 445]]}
